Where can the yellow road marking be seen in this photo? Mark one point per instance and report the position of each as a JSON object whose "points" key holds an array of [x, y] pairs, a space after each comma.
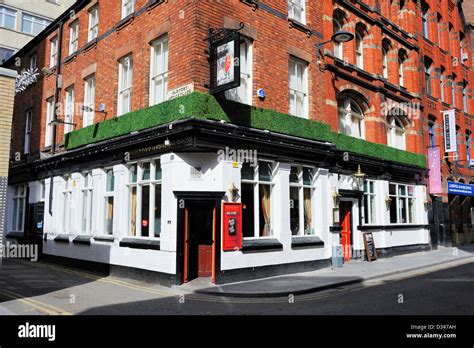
{"points": [[38, 305]]}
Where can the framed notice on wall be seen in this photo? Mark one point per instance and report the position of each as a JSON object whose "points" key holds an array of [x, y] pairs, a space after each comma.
{"points": [[225, 63]]}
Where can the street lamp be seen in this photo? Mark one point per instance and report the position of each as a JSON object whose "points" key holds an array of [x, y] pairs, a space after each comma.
{"points": [[341, 36]]}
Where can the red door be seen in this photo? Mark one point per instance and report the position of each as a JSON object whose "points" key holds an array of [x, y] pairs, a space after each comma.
{"points": [[345, 211], [205, 261]]}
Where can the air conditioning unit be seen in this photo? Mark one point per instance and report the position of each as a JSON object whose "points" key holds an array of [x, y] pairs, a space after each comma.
{"points": [[464, 56]]}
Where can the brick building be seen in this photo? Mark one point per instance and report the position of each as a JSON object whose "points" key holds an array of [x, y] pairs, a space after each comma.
{"points": [[139, 153]]}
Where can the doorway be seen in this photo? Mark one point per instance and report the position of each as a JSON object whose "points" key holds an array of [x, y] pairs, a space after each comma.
{"points": [[345, 209], [199, 239]]}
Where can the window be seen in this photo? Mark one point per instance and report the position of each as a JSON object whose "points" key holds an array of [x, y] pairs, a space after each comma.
{"points": [[48, 137], [453, 90], [87, 203], [385, 49], [297, 10], [425, 20], [360, 46], [456, 155], [440, 30], [19, 198], [93, 31], [73, 37], [338, 19], [464, 96], [5, 54], [89, 101], [256, 197], [441, 84], [301, 201], [461, 43], [33, 25], [401, 67], [53, 54], [468, 147], [402, 204], [33, 62], [128, 7], [145, 199], [431, 132], [28, 129], [68, 210], [243, 93], [351, 117], [428, 64], [69, 115], [125, 85], [298, 87], [159, 71], [109, 202], [7, 18], [396, 132], [369, 203]]}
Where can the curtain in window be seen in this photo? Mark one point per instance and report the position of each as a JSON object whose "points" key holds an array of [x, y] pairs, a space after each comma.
{"points": [[265, 210]]}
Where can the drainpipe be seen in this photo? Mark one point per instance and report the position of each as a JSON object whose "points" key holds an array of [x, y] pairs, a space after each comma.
{"points": [[55, 116]]}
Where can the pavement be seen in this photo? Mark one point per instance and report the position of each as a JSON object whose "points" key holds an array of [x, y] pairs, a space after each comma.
{"points": [[351, 273]]}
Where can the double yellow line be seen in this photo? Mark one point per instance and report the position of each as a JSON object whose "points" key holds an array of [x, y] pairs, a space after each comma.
{"points": [[35, 304]]}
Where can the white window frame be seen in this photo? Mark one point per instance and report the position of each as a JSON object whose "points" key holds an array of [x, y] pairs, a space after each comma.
{"points": [[33, 61], [33, 19], [293, 5], [243, 93], [53, 54], [66, 206], [338, 46], [74, 37], [301, 186], [69, 110], [425, 9], [297, 88], [464, 97], [442, 86], [28, 130], [359, 50], [401, 71], [152, 183], [128, 7], [159, 69], [125, 85], [384, 63], [396, 133], [4, 13], [108, 194], [370, 216], [87, 202], [89, 101], [19, 206], [93, 31], [346, 116], [406, 197], [256, 182], [48, 134]]}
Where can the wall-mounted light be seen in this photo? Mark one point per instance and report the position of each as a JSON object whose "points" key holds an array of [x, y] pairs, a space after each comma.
{"points": [[359, 177], [233, 192], [388, 201], [342, 36], [335, 197]]}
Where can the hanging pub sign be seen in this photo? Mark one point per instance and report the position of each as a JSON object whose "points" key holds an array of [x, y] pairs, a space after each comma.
{"points": [[450, 141], [224, 46]]}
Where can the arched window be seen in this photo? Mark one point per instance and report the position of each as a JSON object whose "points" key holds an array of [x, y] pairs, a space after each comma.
{"points": [[464, 96], [440, 30], [468, 146], [401, 4], [337, 24], [424, 17], [402, 54], [351, 117], [396, 130], [385, 49], [442, 77], [360, 33], [431, 131], [428, 65], [453, 90]]}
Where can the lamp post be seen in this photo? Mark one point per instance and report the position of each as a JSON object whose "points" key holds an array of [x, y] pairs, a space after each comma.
{"points": [[342, 36]]}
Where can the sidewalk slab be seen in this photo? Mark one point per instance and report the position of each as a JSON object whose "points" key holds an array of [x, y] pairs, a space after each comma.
{"points": [[351, 273]]}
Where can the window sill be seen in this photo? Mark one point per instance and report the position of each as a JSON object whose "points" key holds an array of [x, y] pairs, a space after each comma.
{"points": [[89, 45], [15, 235], [153, 3], [62, 238], [306, 241], [300, 26], [125, 21], [268, 244], [82, 239], [390, 227], [335, 228], [70, 58], [140, 243], [104, 239], [252, 3]]}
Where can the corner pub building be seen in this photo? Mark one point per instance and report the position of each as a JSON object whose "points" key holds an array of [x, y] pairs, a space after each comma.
{"points": [[143, 170]]}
